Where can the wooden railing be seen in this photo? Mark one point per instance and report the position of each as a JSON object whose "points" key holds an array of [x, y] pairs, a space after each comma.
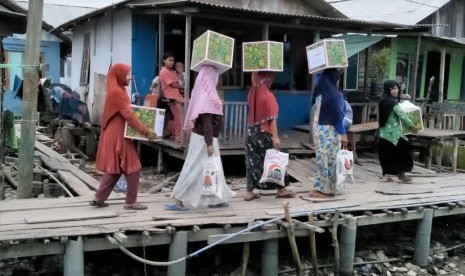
{"points": [[235, 123]]}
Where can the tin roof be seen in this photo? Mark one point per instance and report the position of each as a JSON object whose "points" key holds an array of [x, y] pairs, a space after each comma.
{"points": [[310, 16], [406, 12]]}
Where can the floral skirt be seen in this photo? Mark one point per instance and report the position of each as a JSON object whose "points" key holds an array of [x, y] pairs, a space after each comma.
{"points": [[327, 144]]}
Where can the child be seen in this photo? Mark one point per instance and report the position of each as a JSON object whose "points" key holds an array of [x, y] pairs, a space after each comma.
{"points": [[152, 98], [179, 68]]}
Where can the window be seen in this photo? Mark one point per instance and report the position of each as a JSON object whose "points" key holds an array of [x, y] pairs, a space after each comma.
{"points": [[402, 71], [351, 73], [84, 80]]}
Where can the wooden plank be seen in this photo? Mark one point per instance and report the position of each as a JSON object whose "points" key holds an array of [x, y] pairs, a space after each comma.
{"points": [[50, 152], [53, 163], [91, 182], [74, 183], [69, 216], [364, 127]]}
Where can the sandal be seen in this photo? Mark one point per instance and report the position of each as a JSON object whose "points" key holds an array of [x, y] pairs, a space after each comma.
{"points": [[219, 205], [175, 207], [135, 206], [98, 204], [250, 198], [289, 194]]}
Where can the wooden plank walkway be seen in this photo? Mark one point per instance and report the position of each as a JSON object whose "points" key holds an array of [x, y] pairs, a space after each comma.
{"points": [[63, 217]]}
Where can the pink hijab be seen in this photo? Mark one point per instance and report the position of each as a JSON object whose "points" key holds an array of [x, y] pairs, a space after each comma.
{"points": [[204, 97]]}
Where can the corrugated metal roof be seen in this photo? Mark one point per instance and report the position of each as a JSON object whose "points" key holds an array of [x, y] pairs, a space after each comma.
{"points": [[406, 12], [238, 5]]}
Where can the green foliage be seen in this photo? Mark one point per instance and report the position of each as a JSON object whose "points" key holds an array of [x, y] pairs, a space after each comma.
{"points": [[379, 63], [336, 53], [199, 49], [147, 116], [276, 56], [220, 48], [256, 56]]}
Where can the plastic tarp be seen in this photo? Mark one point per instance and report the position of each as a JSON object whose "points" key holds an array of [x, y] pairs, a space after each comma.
{"points": [[356, 43]]}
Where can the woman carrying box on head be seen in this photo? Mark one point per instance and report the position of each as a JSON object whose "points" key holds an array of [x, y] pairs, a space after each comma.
{"points": [[395, 155], [117, 155], [205, 118], [262, 134], [328, 131]]}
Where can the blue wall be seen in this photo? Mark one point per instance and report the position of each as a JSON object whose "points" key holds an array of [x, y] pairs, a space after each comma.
{"points": [[294, 107], [50, 50], [144, 52]]}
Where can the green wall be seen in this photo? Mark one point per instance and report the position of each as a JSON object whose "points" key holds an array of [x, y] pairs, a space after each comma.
{"points": [[457, 53]]}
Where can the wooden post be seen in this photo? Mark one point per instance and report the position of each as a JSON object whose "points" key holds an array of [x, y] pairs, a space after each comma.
{"points": [[291, 236], [29, 108], [415, 71], [442, 69], [2, 173], [316, 38], [335, 242], [311, 221], [245, 258], [187, 66]]}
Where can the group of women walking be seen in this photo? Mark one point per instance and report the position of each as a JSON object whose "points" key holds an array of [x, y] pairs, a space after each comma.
{"points": [[204, 119]]}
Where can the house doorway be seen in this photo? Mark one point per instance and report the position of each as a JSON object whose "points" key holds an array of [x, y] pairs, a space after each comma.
{"points": [[433, 66]]}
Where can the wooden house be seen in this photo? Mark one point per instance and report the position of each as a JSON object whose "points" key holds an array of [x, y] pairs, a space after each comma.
{"points": [[139, 32]]}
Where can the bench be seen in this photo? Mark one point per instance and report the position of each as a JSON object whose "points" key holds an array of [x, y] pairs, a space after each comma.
{"points": [[359, 129]]}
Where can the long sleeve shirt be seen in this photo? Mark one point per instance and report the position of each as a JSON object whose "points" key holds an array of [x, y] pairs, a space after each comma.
{"points": [[392, 130], [209, 126]]}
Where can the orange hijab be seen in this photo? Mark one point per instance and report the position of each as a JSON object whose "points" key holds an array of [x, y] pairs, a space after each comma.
{"points": [[117, 98], [262, 103]]}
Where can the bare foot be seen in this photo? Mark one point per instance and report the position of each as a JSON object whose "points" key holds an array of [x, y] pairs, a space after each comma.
{"points": [[386, 178], [315, 193], [405, 179]]}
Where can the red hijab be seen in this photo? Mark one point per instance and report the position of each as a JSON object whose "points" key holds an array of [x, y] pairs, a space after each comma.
{"points": [[117, 97], [262, 103]]}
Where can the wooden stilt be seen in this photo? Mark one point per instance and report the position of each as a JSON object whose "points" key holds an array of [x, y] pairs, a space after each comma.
{"points": [[335, 242], [245, 258], [292, 242], [311, 221]]}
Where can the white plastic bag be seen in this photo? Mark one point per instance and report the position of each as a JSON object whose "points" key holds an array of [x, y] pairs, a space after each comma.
{"points": [[274, 168], [344, 169], [211, 179]]}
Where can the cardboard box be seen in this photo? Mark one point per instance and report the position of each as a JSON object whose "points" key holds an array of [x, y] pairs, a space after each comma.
{"points": [[414, 113], [327, 53], [213, 49], [262, 56], [153, 118]]}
